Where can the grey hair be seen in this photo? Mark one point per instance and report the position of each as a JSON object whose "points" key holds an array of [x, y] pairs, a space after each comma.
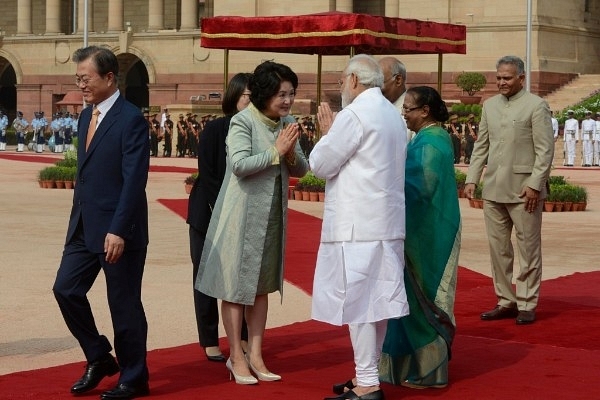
{"points": [[367, 70], [398, 68], [513, 60]]}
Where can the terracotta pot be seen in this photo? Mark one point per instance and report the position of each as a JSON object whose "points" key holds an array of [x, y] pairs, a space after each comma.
{"points": [[68, 184], [321, 196], [188, 188], [297, 195], [549, 206], [305, 196], [50, 184], [558, 207], [582, 206], [575, 207], [60, 184], [567, 206], [470, 99], [479, 203], [313, 196]]}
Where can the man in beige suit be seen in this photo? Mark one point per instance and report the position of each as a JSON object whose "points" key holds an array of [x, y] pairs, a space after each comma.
{"points": [[515, 137]]}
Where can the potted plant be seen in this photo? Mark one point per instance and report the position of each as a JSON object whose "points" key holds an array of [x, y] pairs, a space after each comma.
{"points": [[478, 196], [461, 178], [471, 83], [189, 182], [298, 191], [580, 197]]}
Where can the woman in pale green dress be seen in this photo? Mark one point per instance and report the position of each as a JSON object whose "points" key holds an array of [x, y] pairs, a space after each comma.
{"points": [[417, 347], [242, 259]]}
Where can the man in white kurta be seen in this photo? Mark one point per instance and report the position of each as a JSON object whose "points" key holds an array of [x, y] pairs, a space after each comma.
{"points": [[571, 137], [588, 131], [360, 264]]}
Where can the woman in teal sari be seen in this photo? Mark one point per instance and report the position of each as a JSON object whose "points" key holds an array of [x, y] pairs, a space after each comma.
{"points": [[417, 347]]}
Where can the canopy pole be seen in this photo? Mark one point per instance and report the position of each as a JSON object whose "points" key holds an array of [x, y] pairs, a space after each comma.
{"points": [[319, 69], [226, 71], [439, 74]]}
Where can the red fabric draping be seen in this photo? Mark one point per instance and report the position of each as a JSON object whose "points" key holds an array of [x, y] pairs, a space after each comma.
{"points": [[332, 33]]}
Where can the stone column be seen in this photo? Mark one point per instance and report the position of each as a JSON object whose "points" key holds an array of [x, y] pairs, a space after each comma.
{"points": [[115, 15], [156, 15], [81, 16], [344, 5], [52, 17], [24, 17], [189, 15]]}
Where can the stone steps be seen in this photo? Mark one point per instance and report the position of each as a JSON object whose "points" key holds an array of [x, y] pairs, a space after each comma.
{"points": [[574, 92]]}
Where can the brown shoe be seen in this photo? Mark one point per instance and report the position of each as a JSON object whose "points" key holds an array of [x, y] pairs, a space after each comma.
{"points": [[526, 317], [499, 312]]}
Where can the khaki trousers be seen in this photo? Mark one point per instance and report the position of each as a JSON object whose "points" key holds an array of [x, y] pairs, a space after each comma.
{"points": [[499, 221]]}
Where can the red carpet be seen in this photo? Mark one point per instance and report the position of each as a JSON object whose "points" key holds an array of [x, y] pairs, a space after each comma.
{"points": [[556, 358], [52, 158]]}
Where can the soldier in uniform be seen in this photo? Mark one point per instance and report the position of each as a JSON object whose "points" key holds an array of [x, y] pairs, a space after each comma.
{"points": [[20, 125], [168, 136], [588, 131], [571, 137], [597, 141], [471, 130], [55, 129], [455, 132], [154, 131], [39, 124], [3, 126], [69, 143], [193, 131], [181, 136]]}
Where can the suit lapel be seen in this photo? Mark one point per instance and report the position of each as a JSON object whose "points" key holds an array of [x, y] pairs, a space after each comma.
{"points": [[109, 119]]}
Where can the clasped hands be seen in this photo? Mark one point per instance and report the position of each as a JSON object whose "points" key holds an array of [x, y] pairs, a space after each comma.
{"points": [[286, 140]]}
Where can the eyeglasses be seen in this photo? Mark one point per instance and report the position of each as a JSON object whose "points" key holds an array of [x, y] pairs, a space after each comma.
{"points": [[409, 109], [391, 78], [85, 80], [341, 81]]}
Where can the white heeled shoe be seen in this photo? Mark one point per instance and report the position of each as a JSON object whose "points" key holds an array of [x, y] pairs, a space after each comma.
{"points": [[263, 376], [240, 379]]}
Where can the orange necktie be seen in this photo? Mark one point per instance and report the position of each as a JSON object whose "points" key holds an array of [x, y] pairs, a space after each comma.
{"points": [[92, 127]]}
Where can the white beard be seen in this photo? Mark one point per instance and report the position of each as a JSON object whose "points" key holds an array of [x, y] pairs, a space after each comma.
{"points": [[346, 98]]}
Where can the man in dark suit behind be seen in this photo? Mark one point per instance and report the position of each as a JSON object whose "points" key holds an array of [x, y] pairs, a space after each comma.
{"points": [[108, 229]]}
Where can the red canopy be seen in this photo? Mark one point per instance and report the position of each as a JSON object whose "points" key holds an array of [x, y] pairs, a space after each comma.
{"points": [[332, 33]]}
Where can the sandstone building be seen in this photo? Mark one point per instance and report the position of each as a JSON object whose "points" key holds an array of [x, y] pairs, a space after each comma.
{"points": [[162, 64]]}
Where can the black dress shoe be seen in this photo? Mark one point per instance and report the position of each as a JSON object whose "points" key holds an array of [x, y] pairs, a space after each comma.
{"points": [[350, 395], [338, 388], [499, 312], [526, 317], [125, 392], [94, 373], [218, 358]]}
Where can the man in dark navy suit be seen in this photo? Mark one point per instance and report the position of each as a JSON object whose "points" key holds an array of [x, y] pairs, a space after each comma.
{"points": [[108, 229]]}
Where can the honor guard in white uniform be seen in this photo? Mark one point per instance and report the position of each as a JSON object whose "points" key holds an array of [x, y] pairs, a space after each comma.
{"points": [[55, 128], [39, 124], [59, 139], [20, 125], [3, 126], [597, 141], [75, 120], [555, 131], [588, 132], [68, 131], [571, 137]]}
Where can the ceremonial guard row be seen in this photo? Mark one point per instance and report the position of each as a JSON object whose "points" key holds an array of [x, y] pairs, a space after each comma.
{"points": [[62, 130]]}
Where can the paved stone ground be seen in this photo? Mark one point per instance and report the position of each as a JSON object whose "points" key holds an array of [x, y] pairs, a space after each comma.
{"points": [[33, 223]]}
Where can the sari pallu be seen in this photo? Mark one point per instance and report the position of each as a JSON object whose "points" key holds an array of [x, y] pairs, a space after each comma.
{"points": [[417, 347]]}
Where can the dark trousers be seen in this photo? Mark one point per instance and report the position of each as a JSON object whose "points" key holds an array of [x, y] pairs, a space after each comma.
{"points": [[468, 151], [77, 272], [206, 307], [456, 148]]}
